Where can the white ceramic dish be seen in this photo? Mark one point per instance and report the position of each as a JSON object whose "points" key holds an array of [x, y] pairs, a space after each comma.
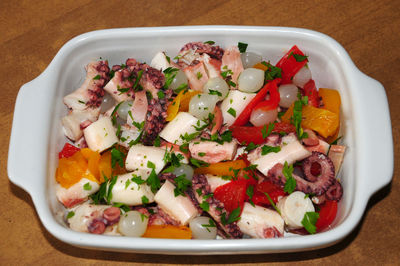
{"points": [[37, 134]]}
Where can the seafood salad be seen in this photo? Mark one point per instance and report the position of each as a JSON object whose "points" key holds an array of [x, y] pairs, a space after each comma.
{"points": [[216, 142]]}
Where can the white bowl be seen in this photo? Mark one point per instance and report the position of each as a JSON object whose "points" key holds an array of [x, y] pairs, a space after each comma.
{"points": [[365, 124]]}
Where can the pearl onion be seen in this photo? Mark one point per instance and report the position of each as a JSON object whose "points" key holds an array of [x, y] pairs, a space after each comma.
{"points": [[288, 93], [123, 109], [200, 230], [184, 169], [260, 117], [249, 59], [302, 77], [133, 223], [180, 78], [202, 104], [217, 84], [251, 80], [108, 102]]}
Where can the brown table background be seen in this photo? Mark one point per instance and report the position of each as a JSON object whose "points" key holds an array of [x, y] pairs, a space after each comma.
{"points": [[31, 33]]}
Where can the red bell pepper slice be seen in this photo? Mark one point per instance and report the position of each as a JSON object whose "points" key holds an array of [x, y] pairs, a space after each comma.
{"points": [[272, 88], [274, 191], [67, 151], [289, 65], [232, 194], [246, 135], [327, 214], [310, 90]]}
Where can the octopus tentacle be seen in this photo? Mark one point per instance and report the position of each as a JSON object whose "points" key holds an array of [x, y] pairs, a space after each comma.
{"points": [[315, 185], [215, 52], [200, 184], [335, 191]]}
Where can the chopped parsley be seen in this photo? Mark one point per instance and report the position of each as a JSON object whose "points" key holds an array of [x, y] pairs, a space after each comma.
{"points": [[233, 216], [161, 94], [201, 154], [266, 132], [168, 59], [309, 221], [170, 74], [113, 180], [232, 112], [211, 223], [151, 165], [297, 115], [268, 149], [272, 72], [153, 181], [199, 75], [82, 102], [251, 147], [205, 206], [87, 186], [214, 92], [226, 73], [198, 163], [127, 183], [250, 193], [117, 156], [145, 200], [70, 214], [242, 47], [123, 207], [209, 42], [290, 184], [137, 179], [182, 184], [97, 77], [298, 57], [272, 202]]}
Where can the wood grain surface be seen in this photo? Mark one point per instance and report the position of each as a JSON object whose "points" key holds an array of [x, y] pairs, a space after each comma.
{"points": [[31, 33]]}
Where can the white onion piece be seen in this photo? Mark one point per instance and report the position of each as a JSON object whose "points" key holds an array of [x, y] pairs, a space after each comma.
{"points": [[201, 229], [184, 169], [217, 84], [249, 59], [260, 117], [180, 78], [288, 93], [123, 109], [133, 223], [302, 77], [202, 104], [251, 80], [107, 103]]}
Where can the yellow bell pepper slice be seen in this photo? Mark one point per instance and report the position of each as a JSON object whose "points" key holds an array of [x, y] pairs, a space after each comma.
{"points": [[168, 231], [221, 169]]}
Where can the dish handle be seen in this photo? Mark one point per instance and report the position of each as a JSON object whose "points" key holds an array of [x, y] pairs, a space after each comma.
{"points": [[376, 145], [29, 135]]}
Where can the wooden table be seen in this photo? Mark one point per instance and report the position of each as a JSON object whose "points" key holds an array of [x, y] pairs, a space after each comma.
{"points": [[33, 31]]}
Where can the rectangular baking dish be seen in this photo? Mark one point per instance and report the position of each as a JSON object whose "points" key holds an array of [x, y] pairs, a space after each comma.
{"points": [[37, 132]]}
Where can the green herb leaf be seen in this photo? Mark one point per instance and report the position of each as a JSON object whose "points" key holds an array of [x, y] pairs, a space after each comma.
{"points": [[70, 214], [199, 75], [251, 147], [153, 181], [137, 179], [123, 207], [242, 47], [87, 186], [117, 156], [290, 184], [232, 112], [151, 165], [205, 206], [233, 216], [298, 57], [97, 77], [110, 187], [161, 94], [145, 200], [272, 72], [309, 221], [168, 59], [181, 185], [250, 193], [268, 149], [198, 163], [214, 92], [209, 42], [272, 202]]}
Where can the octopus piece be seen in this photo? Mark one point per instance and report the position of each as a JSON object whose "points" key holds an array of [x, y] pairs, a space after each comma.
{"points": [[121, 81], [316, 180], [138, 110], [197, 76], [216, 208], [212, 152], [76, 193], [157, 216], [232, 62], [91, 92], [93, 218], [193, 50], [334, 192], [336, 154], [84, 103], [155, 119], [272, 140]]}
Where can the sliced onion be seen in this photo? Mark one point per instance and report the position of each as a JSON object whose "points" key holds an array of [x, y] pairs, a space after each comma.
{"points": [[288, 93], [259, 117], [184, 169], [249, 59], [302, 77], [108, 102], [202, 228], [132, 223], [202, 104], [216, 84], [251, 80], [180, 78], [123, 109]]}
